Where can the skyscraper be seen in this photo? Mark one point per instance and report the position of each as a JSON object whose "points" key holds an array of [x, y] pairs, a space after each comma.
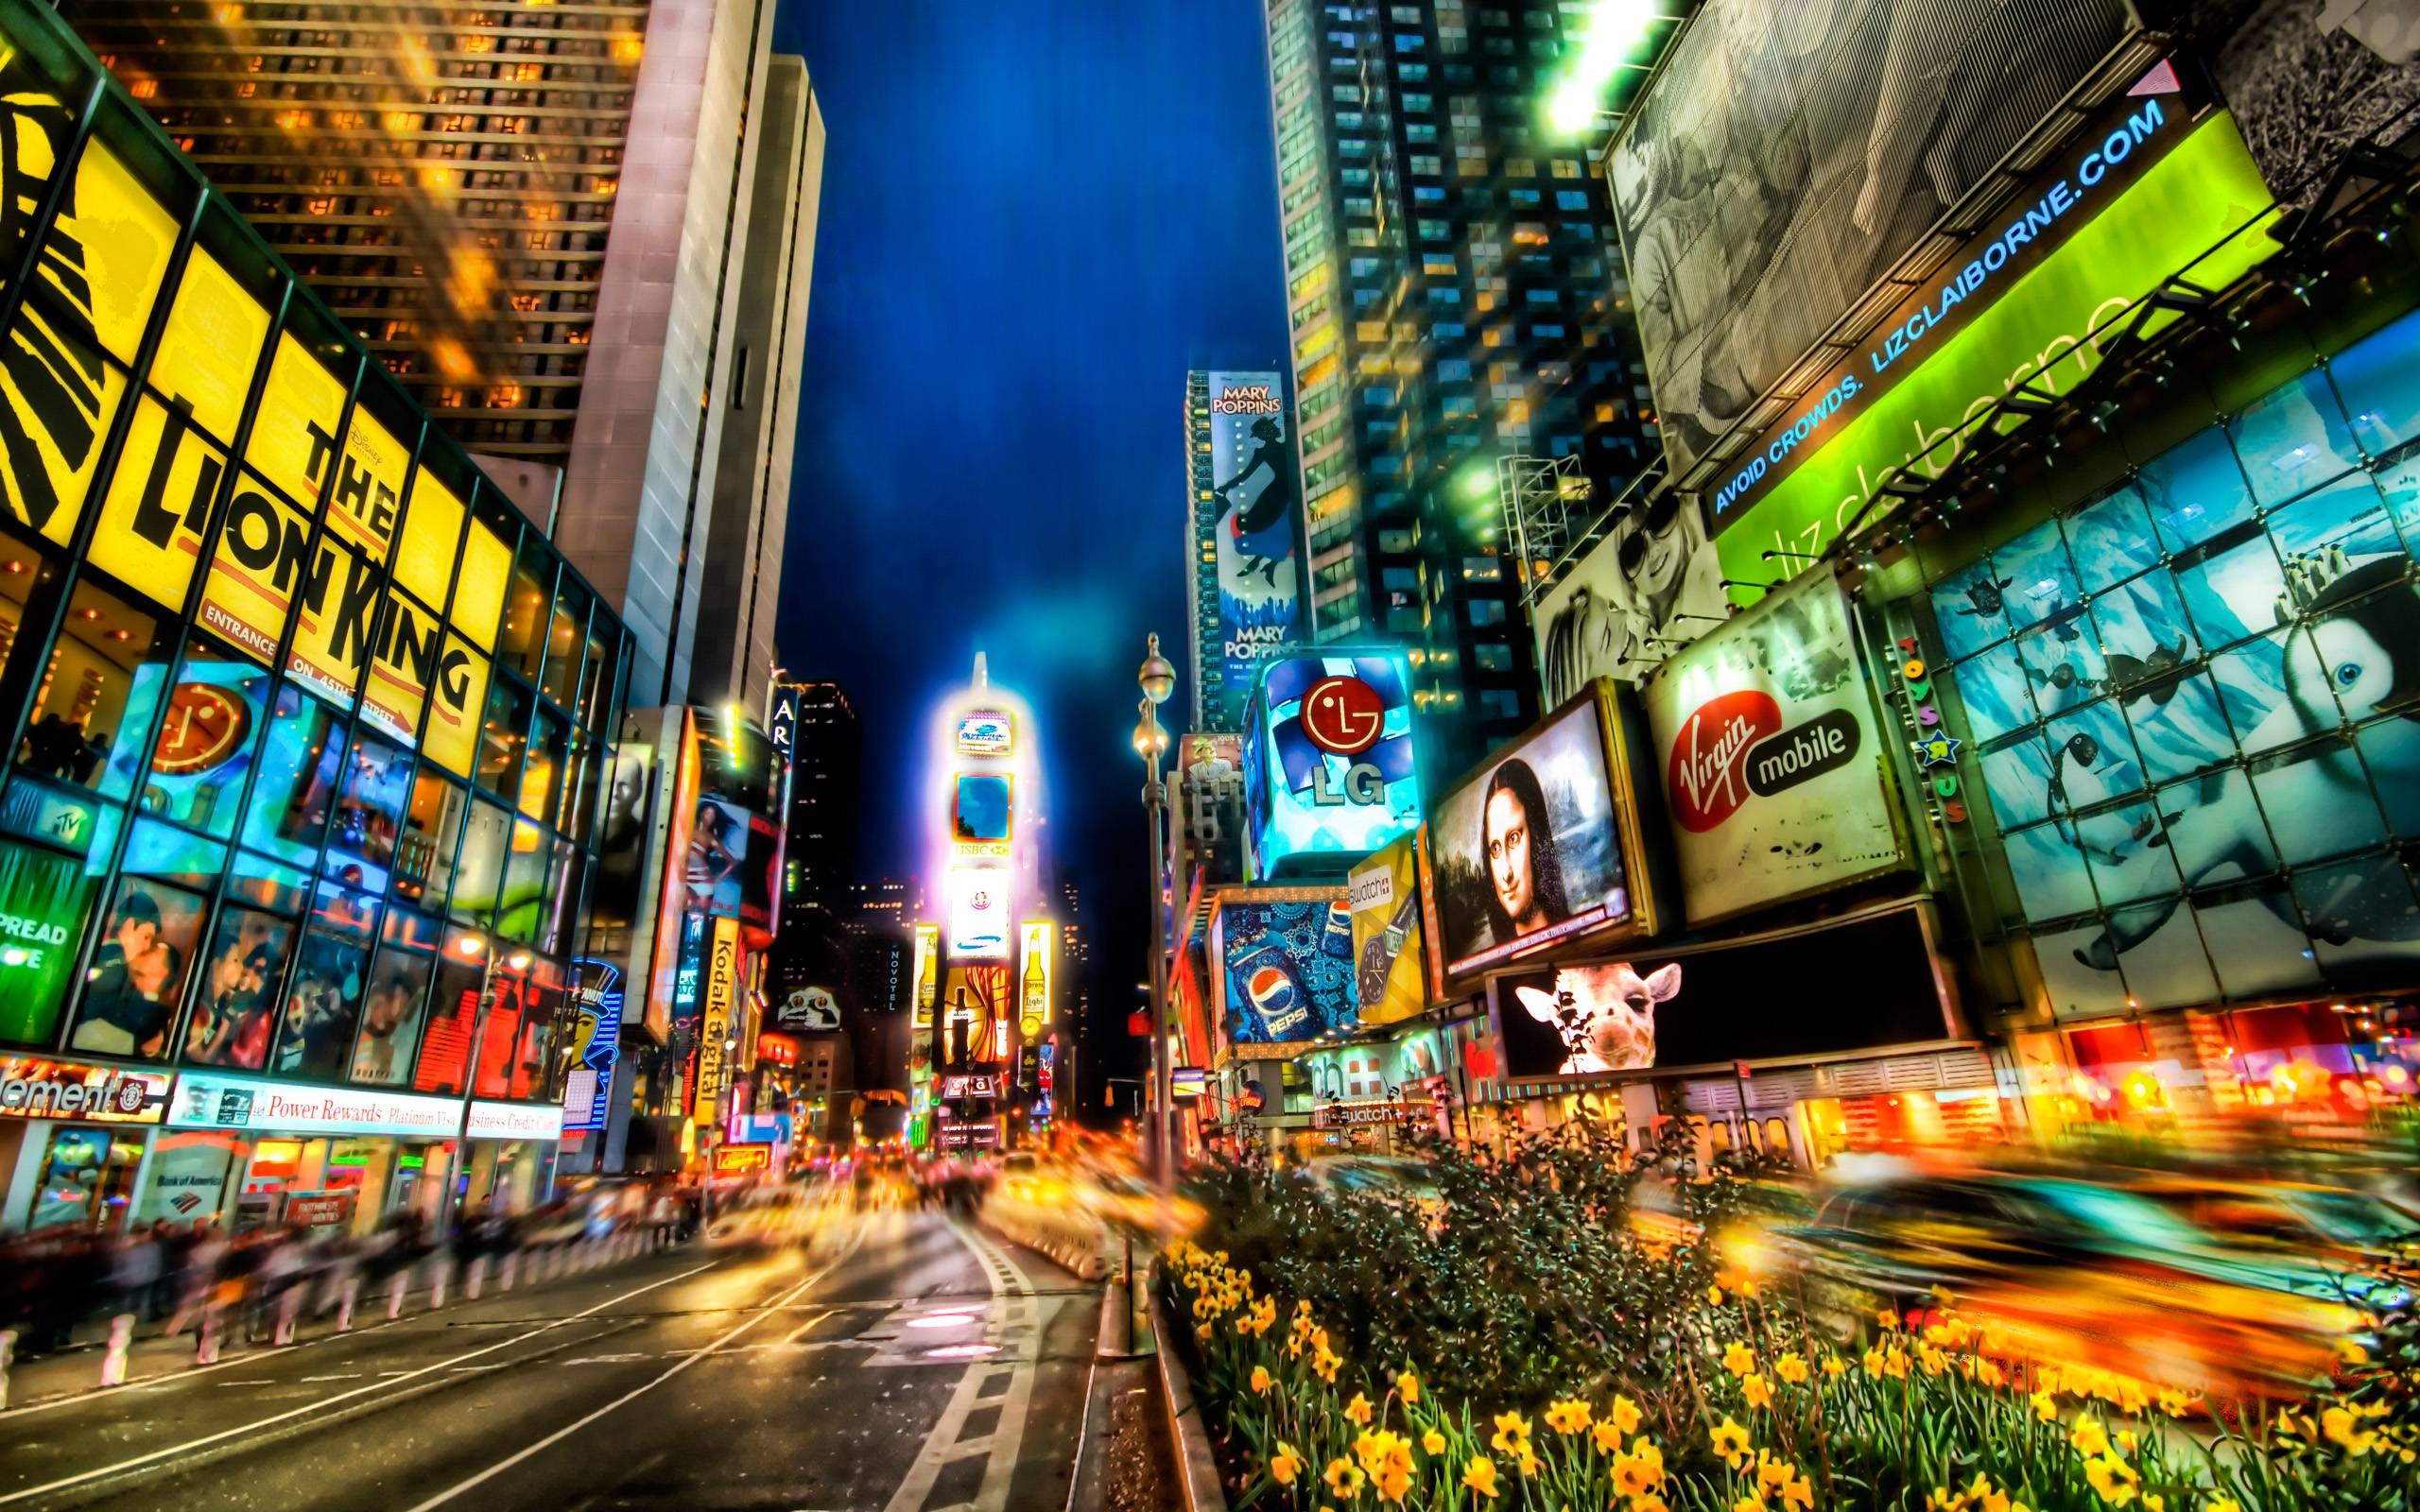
{"points": [[734, 644], [1455, 291], [1243, 537], [820, 851], [540, 217]]}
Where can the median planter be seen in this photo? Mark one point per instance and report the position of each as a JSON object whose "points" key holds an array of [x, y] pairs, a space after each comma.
{"points": [[1703, 1392]]}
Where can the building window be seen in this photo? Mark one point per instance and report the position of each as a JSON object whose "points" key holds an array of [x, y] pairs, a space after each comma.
{"points": [[1485, 612]]}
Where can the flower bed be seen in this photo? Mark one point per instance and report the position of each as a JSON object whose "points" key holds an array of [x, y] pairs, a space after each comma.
{"points": [[1344, 1352]]}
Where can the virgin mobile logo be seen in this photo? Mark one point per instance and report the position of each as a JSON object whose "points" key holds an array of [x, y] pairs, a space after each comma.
{"points": [[1735, 747]]}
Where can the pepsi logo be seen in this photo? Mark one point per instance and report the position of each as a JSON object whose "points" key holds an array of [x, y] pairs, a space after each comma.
{"points": [[1342, 716]]}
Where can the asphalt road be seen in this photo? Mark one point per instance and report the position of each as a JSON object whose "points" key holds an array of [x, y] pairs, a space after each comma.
{"points": [[889, 1361]]}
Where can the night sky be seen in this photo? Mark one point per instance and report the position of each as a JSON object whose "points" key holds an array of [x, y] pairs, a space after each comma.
{"points": [[1035, 219]]}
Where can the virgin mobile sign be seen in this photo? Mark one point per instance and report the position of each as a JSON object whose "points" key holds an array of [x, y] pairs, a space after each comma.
{"points": [[1773, 773]]}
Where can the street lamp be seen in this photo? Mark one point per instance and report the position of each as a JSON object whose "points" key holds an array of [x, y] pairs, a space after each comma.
{"points": [[1157, 680]]}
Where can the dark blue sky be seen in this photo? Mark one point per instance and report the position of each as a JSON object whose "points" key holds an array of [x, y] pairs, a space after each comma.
{"points": [[1035, 218]]}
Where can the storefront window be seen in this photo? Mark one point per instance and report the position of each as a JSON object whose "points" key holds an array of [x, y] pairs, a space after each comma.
{"points": [[87, 1180], [543, 777], [87, 688], [397, 999], [215, 711], [525, 883], [563, 639], [501, 734], [43, 897], [432, 828], [137, 979], [25, 571], [522, 643], [368, 815], [236, 1015], [597, 673], [265, 884], [478, 879], [322, 1007], [582, 771], [301, 761], [453, 1006]]}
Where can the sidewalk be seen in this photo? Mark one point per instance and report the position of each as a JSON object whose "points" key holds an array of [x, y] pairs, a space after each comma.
{"points": [[155, 1353]]}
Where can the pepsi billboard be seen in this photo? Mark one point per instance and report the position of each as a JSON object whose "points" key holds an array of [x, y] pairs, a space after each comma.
{"points": [[1330, 768], [1284, 972]]}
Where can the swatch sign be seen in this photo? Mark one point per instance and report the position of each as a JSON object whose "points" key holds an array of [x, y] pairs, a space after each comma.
{"points": [[1774, 781]]}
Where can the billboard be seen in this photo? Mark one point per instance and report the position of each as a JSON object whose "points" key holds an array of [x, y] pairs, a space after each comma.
{"points": [[2038, 329], [985, 732], [1037, 948], [978, 912], [1390, 948], [2189, 702], [720, 996], [1772, 760], [1285, 966], [1329, 769], [974, 1008], [1541, 844], [596, 1042], [1787, 156], [928, 975], [1254, 491], [1654, 576], [981, 813], [1717, 1006]]}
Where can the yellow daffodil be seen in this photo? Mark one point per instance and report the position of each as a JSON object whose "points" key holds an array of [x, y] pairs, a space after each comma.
{"points": [[2088, 1438], [1287, 1464], [1407, 1387], [1479, 1475], [1344, 1478], [1730, 1441], [2112, 1480], [1623, 1414], [1359, 1409], [1772, 1473], [2340, 1428], [1261, 1380], [2222, 1504], [1790, 1367], [1835, 1366], [1874, 1361], [1640, 1472], [1888, 1318], [1754, 1392], [1512, 1434], [1567, 1416], [1798, 1495], [1739, 1359], [1202, 1331], [1433, 1441], [1607, 1438], [2046, 1407], [2173, 1402], [1749, 1503], [1393, 1485]]}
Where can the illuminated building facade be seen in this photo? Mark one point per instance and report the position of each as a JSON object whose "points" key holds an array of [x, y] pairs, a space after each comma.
{"points": [[1454, 287], [987, 1035], [306, 725], [454, 183]]}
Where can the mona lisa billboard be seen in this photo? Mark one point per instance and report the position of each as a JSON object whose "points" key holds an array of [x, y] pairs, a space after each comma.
{"points": [[1542, 843]]}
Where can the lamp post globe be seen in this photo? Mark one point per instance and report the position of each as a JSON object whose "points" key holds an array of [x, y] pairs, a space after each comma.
{"points": [[1157, 678]]}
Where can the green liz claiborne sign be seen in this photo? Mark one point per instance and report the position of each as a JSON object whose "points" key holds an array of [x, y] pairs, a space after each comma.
{"points": [[2204, 188]]}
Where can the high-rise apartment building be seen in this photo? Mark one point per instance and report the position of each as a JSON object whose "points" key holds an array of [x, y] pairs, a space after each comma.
{"points": [[542, 219], [1455, 290]]}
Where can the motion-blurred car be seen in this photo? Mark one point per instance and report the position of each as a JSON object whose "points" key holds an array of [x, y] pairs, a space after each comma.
{"points": [[2076, 1272], [2350, 1231]]}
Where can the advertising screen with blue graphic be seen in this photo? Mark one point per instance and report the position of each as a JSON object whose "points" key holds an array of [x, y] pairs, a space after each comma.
{"points": [[2194, 702], [1329, 774], [1254, 489], [1284, 966], [596, 1035]]}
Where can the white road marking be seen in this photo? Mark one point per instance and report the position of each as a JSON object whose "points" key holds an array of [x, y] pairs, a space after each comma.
{"points": [[322, 1405], [944, 1445], [342, 1375], [633, 1394]]}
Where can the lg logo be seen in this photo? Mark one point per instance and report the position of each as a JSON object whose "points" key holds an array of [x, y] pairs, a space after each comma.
{"points": [[1344, 716]]}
